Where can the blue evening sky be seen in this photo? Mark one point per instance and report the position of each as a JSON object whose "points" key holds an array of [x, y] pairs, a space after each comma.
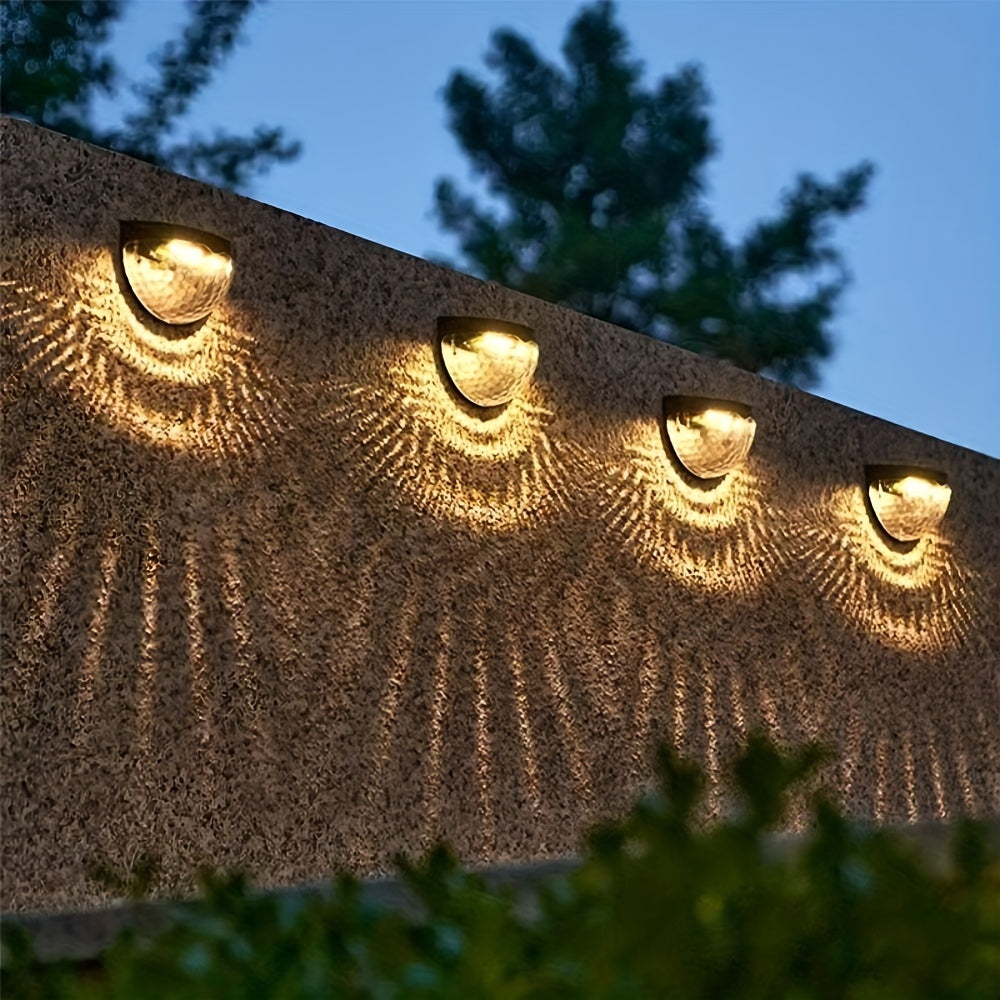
{"points": [[815, 86]]}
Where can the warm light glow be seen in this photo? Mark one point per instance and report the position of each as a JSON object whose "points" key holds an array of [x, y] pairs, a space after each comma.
{"points": [[488, 361], [909, 503], [718, 536], [710, 438], [407, 434], [917, 597], [178, 275], [205, 392]]}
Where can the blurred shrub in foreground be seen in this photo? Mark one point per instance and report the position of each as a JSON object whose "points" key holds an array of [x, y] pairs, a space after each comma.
{"points": [[660, 906]]}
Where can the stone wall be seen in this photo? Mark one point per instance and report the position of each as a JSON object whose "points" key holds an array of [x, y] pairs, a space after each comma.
{"points": [[275, 598]]}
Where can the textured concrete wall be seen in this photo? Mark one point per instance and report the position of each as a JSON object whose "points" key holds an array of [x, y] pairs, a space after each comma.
{"points": [[273, 598]]}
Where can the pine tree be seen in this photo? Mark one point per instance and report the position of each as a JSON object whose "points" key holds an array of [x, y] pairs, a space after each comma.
{"points": [[597, 202], [54, 63]]}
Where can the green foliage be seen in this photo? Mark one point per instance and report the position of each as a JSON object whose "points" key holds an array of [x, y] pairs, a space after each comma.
{"points": [[53, 64], [659, 907], [596, 190]]}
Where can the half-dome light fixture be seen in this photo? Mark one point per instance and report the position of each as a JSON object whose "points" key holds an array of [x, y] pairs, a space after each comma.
{"points": [[178, 274], [489, 361], [908, 502], [710, 437]]}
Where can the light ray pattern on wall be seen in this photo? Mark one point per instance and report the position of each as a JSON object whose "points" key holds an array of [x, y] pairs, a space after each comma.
{"points": [[720, 537], [205, 612], [484, 711], [434, 791], [493, 473], [916, 597], [149, 662], [52, 569], [201, 699], [90, 667], [202, 393], [403, 620]]}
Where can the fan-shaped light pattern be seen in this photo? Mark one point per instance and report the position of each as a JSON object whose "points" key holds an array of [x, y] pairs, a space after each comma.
{"points": [[179, 275], [495, 470], [208, 393], [710, 437], [718, 537], [920, 597], [487, 360], [909, 503]]}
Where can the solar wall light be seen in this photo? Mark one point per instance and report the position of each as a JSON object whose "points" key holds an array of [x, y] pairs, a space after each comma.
{"points": [[908, 502], [178, 274], [710, 437], [489, 361]]}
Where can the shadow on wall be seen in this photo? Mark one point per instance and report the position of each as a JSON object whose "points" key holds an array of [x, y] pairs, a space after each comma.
{"points": [[195, 564]]}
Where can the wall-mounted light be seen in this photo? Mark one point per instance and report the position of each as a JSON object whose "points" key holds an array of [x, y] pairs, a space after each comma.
{"points": [[710, 437], [178, 274], [488, 360], [908, 502]]}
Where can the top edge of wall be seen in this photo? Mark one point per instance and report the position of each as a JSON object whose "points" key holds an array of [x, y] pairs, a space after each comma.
{"points": [[186, 201]]}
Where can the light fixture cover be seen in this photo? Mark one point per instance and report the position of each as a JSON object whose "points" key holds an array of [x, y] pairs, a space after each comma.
{"points": [[488, 360], [178, 274], [908, 502], [710, 437]]}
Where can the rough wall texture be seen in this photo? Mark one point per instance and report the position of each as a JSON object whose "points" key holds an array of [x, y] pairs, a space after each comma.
{"points": [[274, 598]]}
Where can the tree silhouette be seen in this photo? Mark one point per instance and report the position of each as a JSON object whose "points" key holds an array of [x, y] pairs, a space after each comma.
{"points": [[596, 188], [54, 63]]}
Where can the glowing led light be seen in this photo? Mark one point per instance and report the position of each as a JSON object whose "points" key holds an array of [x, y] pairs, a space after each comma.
{"points": [[488, 361], [179, 275], [710, 437], [909, 503]]}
